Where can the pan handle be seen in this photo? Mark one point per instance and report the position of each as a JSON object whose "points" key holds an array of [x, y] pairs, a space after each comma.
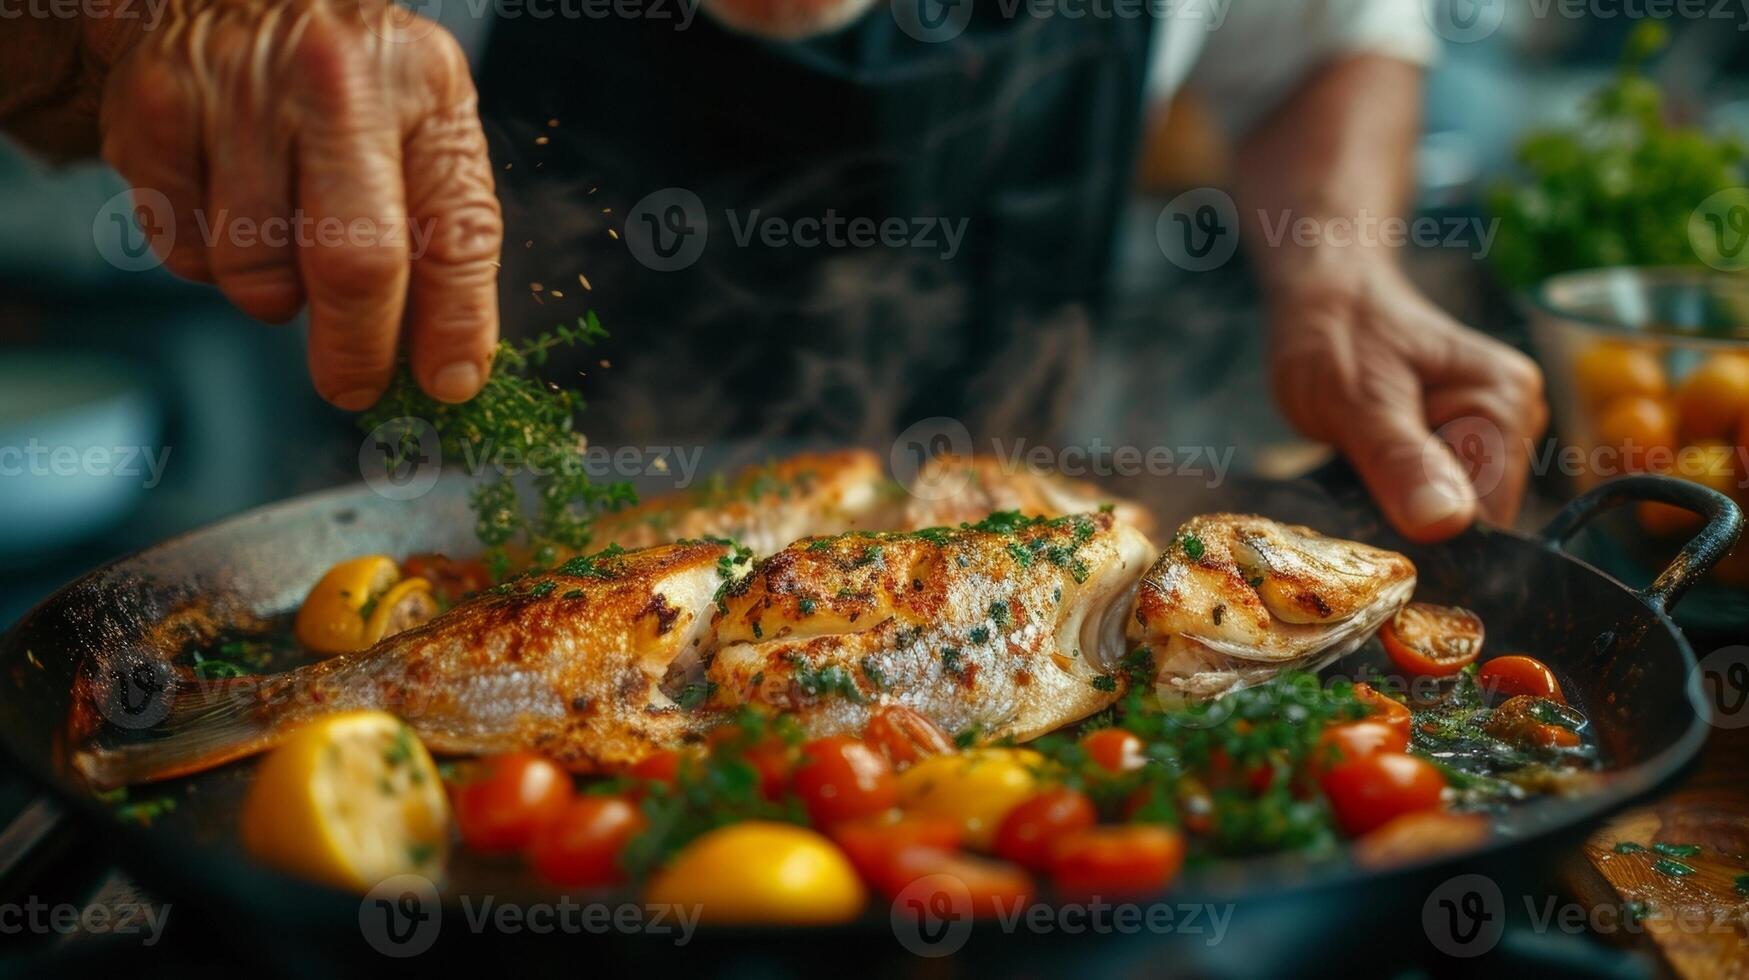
{"points": [[1724, 522]]}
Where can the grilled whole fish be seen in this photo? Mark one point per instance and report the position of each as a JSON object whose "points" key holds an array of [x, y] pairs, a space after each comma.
{"points": [[568, 663], [951, 490], [1001, 628], [1237, 599], [766, 507]]}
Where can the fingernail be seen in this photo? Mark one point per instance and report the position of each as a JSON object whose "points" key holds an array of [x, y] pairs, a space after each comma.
{"points": [[457, 382], [1429, 504], [357, 400]]}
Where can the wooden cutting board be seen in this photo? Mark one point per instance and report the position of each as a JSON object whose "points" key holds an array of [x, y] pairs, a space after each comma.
{"points": [[1697, 925]]}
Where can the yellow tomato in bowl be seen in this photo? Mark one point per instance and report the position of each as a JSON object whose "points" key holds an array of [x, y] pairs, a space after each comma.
{"points": [[1608, 371], [1714, 397]]}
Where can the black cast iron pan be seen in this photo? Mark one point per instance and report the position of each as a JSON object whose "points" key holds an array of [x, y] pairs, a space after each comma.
{"points": [[1619, 657]]}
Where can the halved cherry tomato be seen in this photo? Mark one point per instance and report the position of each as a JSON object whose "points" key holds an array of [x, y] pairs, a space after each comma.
{"points": [[873, 843], [581, 845], [1030, 829], [841, 778], [1384, 708], [1523, 720], [1517, 674], [1116, 862], [905, 736], [1428, 640], [508, 798], [1356, 740], [1368, 792], [995, 888], [453, 579], [1114, 749]]}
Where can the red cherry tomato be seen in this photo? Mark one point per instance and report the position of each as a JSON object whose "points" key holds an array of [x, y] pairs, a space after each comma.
{"points": [[841, 778], [1429, 640], [1258, 776], [931, 881], [1384, 709], [873, 844], [1516, 674], [453, 579], [661, 767], [1370, 791], [1027, 833], [509, 797], [581, 845], [1356, 740], [1114, 749], [1116, 862], [775, 762], [905, 736]]}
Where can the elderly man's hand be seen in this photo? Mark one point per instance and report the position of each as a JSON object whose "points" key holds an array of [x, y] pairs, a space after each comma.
{"points": [[327, 151], [1364, 361]]}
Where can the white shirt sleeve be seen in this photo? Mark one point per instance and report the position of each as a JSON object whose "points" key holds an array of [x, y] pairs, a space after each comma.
{"points": [[1253, 52]]}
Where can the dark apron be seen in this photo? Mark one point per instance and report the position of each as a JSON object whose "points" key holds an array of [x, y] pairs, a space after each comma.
{"points": [[1024, 129]]}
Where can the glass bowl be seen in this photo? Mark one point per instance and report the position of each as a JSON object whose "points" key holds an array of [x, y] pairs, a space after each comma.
{"points": [[1648, 371]]}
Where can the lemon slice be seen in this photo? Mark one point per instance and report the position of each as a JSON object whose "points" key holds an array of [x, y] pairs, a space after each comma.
{"points": [[349, 800], [333, 616]]}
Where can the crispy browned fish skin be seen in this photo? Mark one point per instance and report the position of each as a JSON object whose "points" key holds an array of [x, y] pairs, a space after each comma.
{"points": [[570, 669], [952, 490], [1023, 638], [766, 507], [1258, 597]]}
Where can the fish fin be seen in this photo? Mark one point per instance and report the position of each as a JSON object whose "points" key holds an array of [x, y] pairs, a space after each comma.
{"points": [[209, 723]]}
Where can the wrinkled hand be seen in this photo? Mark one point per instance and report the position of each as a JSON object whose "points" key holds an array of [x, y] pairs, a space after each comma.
{"points": [[327, 151], [1373, 367]]}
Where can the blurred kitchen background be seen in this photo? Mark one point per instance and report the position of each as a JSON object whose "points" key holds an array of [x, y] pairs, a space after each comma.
{"points": [[94, 356]]}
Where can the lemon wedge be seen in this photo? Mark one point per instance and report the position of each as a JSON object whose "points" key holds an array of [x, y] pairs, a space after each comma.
{"points": [[349, 800]]}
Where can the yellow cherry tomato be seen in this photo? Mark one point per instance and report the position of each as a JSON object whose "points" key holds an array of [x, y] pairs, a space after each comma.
{"points": [[1610, 370], [1642, 428], [1714, 397], [759, 873], [975, 789], [349, 800], [1710, 463]]}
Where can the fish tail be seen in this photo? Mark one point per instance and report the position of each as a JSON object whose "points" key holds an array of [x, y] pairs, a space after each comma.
{"points": [[208, 723]]}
